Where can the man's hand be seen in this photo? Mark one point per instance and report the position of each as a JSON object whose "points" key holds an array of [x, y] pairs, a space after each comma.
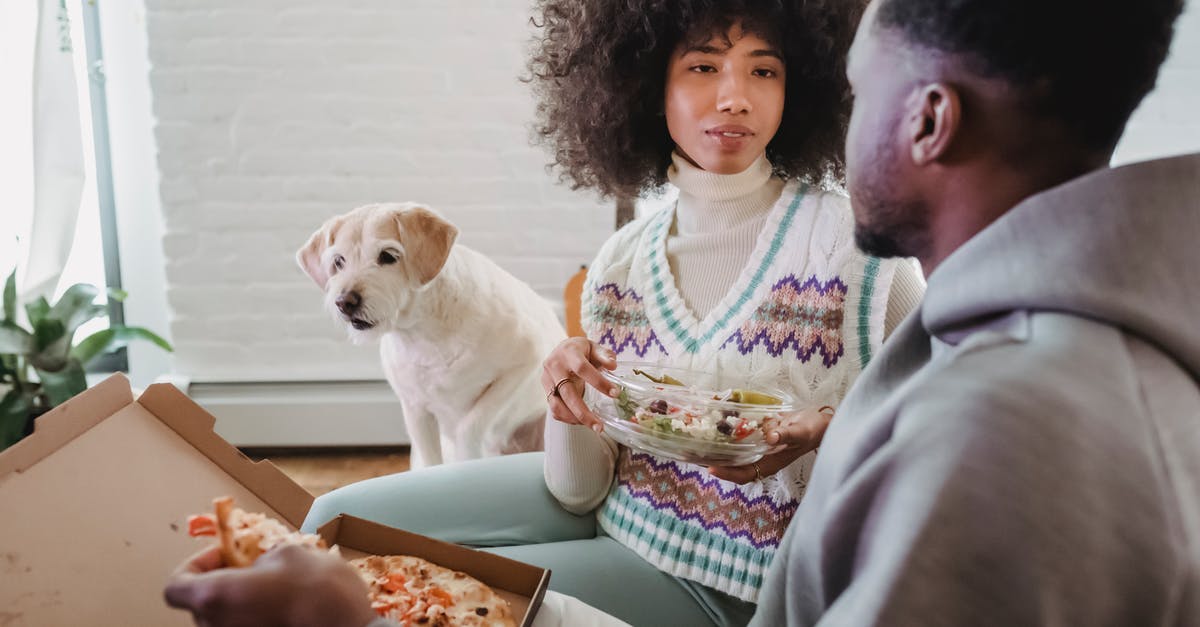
{"points": [[292, 586], [800, 435]]}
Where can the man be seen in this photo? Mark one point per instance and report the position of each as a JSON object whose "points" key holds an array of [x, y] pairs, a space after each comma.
{"points": [[1026, 448]]}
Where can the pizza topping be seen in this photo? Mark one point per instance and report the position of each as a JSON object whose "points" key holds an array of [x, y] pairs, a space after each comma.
{"points": [[201, 525], [394, 583], [412, 591]]}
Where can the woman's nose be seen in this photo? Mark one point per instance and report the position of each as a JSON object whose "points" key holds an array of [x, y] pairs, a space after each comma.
{"points": [[732, 95]]}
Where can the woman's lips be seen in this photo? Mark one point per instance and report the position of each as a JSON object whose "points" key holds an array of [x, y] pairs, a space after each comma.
{"points": [[730, 137]]}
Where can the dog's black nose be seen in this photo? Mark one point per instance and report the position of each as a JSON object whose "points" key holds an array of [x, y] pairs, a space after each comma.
{"points": [[348, 302]]}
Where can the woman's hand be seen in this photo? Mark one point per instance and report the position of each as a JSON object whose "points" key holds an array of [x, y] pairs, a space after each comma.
{"points": [[575, 363], [802, 433], [293, 586]]}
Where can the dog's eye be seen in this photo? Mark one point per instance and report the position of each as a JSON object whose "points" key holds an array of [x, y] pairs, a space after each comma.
{"points": [[386, 258], [338, 262]]}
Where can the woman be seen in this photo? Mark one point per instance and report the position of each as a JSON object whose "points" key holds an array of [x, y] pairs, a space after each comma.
{"points": [[743, 106]]}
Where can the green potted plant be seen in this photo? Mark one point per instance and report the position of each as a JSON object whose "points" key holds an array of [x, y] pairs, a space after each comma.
{"points": [[41, 365]]}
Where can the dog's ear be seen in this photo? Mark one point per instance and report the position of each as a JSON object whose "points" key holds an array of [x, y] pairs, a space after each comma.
{"points": [[427, 239], [309, 257]]}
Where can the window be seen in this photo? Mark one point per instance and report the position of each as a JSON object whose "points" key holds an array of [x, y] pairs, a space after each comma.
{"points": [[93, 257]]}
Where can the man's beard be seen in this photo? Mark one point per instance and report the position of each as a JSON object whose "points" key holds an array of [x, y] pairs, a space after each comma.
{"points": [[887, 227], [898, 234]]}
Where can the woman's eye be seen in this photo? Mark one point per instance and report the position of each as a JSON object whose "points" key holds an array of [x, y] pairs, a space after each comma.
{"points": [[338, 262], [703, 68], [765, 73], [386, 258]]}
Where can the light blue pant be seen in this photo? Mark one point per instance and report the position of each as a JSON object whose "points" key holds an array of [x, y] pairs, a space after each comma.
{"points": [[502, 503]]}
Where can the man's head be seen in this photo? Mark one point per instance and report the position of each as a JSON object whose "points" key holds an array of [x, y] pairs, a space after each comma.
{"points": [[964, 107]]}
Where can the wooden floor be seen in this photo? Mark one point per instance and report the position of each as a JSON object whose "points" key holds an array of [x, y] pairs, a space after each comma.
{"points": [[320, 471]]}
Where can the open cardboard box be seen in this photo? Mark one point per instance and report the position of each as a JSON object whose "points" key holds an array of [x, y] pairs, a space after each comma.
{"points": [[94, 504]]}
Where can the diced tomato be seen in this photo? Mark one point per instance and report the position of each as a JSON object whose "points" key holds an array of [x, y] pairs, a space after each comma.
{"points": [[395, 582], [201, 525], [442, 596], [742, 431]]}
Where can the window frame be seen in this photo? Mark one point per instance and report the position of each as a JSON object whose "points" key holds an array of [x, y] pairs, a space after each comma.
{"points": [[116, 361]]}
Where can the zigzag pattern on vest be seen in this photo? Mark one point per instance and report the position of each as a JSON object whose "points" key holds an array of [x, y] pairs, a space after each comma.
{"points": [[804, 316], [698, 497], [622, 322]]}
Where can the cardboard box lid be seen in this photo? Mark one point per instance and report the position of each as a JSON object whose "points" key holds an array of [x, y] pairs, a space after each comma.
{"points": [[99, 495]]}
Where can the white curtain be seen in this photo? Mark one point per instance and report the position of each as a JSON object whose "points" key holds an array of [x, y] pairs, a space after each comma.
{"points": [[58, 166]]}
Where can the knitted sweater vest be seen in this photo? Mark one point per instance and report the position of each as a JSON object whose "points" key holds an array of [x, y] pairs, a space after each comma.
{"points": [[805, 315]]}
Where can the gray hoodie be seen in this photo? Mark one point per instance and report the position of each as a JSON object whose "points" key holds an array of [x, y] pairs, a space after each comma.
{"points": [[1025, 450]]}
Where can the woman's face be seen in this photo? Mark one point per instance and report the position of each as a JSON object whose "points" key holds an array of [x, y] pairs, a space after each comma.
{"points": [[724, 100]]}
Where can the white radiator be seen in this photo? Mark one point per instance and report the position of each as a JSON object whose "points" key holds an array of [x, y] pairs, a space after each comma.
{"points": [[303, 414]]}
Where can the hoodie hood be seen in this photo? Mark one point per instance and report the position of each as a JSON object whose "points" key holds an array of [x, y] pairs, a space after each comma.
{"points": [[1119, 245]]}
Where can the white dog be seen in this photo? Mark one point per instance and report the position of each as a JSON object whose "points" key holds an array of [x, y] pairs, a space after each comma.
{"points": [[462, 341]]}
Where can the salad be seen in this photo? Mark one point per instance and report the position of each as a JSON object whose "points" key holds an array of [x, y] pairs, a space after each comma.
{"points": [[671, 407]]}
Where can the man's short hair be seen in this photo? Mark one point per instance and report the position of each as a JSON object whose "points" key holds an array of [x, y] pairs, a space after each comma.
{"points": [[1084, 63]]}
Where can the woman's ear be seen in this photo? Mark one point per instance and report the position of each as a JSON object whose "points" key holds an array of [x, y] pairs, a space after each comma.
{"points": [[427, 239], [935, 123]]}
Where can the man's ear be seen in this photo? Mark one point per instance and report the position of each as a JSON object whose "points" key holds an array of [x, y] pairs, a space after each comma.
{"points": [[934, 123], [427, 239], [309, 257]]}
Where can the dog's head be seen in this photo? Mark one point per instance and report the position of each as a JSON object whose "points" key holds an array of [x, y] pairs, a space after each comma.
{"points": [[372, 261]]}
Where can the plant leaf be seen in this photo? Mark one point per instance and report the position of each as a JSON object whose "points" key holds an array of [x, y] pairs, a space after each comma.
{"points": [[60, 385], [37, 310], [117, 295], [51, 345], [75, 306], [113, 338], [10, 297], [14, 340], [14, 415], [47, 332], [100, 342]]}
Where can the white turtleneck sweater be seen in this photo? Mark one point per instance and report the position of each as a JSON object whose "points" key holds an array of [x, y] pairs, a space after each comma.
{"points": [[718, 218]]}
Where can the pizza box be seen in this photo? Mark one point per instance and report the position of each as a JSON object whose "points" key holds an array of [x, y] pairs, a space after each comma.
{"points": [[521, 584], [94, 504]]}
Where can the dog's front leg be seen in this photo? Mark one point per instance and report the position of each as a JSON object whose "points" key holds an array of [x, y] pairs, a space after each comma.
{"points": [[501, 415], [423, 434]]}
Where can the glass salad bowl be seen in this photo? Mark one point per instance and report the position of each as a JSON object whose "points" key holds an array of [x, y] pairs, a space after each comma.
{"points": [[690, 415]]}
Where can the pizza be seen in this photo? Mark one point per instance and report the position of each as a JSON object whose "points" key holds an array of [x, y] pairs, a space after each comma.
{"points": [[403, 588], [243, 536], [412, 591]]}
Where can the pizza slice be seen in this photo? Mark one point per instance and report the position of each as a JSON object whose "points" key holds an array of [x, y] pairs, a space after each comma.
{"points": [[413, 591], [243, 536]]}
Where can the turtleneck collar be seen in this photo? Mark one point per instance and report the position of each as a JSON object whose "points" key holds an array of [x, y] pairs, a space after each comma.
{"points": [[710, 202]]}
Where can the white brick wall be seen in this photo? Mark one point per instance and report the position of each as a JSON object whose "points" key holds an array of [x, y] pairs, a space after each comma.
{"points": [[1168, 120], [273, 116]]}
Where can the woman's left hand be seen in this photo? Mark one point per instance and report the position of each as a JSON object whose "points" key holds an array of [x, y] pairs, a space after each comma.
{"points": [[802, 433]]}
